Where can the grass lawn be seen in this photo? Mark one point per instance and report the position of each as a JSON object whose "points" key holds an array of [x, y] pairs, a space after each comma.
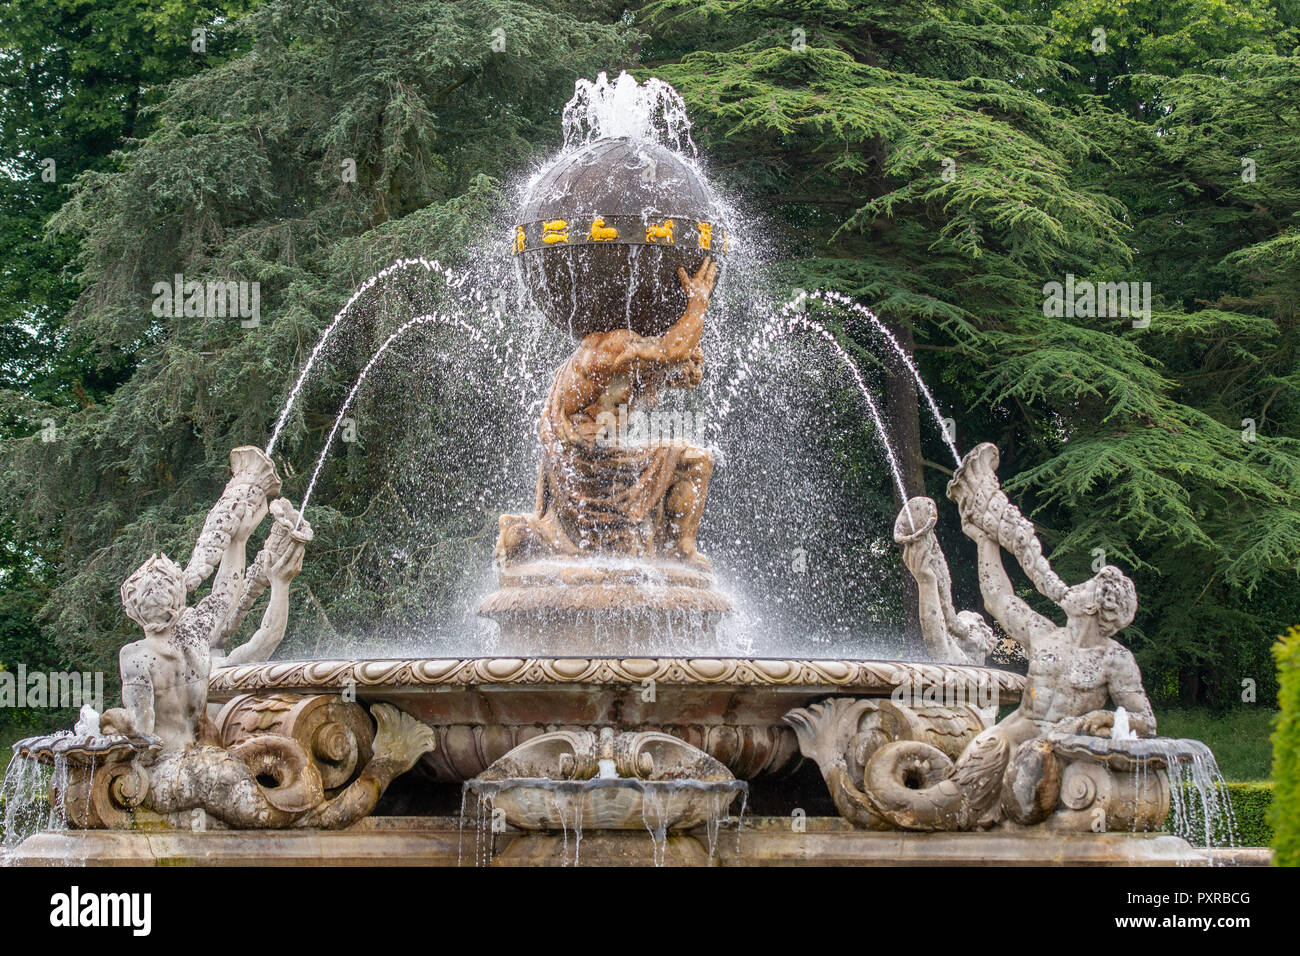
{"points": [[1239, 737]]}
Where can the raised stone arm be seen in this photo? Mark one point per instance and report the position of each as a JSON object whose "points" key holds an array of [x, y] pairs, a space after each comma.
{"points": [[1018, 619], [680, 344], [253, 481], [949, 635], [289, 532], [287, 564], [215, 610], [677, 344]]}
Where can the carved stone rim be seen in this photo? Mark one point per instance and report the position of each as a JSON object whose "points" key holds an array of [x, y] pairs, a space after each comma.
{"points": [[862, 676]]}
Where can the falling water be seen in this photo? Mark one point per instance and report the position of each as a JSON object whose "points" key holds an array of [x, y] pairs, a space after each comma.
{"points": [[568, 806], [661, 803], [1199, 808], [654, 814], [474, 334], [785, 323], [452, 279], [24, 798], [771, 473], [843, 301]]}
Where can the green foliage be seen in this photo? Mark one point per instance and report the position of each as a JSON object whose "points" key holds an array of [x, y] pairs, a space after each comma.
{"points": [[1239, 737], [1285, 815], [1252, 808], [1128, 440], [76, 78], [938, 162], [1107, 41], [236, 175]]}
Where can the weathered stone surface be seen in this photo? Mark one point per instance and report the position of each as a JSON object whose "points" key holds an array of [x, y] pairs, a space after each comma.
{"points": [[606, 781], [1075, 671], [284, 762], [764, 841], [731, 708], [577, 608], [963, 637]]}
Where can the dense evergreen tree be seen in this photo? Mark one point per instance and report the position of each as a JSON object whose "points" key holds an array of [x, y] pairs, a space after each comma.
{"points": [[939, 163], [75, 81], [240, 177], [1123, 439]]}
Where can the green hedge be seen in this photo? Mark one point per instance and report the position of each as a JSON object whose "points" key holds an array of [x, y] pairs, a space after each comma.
{"points": [[1251, 803], [1285, 815], [1239, 736]]}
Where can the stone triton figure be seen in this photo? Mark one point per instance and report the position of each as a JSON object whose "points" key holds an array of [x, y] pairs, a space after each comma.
{"points": [[597, 493], [165, 675], [163, 754], [1015, 769], [1073, 670]]}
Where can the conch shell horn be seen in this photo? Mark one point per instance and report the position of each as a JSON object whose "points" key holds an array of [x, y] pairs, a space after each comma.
{"points": [[252, 475], [982, 503]]}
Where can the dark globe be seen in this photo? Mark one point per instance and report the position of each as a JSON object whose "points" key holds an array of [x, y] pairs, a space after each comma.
{"points": [[602, 234]]}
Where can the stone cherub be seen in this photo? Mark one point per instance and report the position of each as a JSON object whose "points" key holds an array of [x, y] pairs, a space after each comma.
{"points": [[595, 495], [1074, 671], [267, 780], [165, 675]]}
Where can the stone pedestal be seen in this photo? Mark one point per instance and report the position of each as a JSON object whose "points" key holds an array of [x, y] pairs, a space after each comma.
{"points": [[585, 608]]}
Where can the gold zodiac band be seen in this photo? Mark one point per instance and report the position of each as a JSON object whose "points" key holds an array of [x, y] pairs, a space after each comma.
{"points": [[679, 231]]}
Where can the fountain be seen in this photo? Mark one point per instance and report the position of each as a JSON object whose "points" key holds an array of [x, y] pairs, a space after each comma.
{"points": [[618, 712]]}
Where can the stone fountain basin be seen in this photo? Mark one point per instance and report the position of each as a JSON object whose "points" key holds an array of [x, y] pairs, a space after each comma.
{"points": [[617, 803], [1155, 753], [732, 708], [85, 750]]}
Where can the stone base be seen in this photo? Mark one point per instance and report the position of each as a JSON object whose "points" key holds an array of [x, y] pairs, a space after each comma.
{"points": [[603, 607], [764, 841]]}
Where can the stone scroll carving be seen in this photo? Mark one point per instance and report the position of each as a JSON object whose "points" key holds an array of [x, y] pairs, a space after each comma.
{"points": [[842, 734]]}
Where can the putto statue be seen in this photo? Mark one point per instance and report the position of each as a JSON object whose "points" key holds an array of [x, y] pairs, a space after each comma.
{"points": [[160, 753], [598, 494], [1055, 758]]}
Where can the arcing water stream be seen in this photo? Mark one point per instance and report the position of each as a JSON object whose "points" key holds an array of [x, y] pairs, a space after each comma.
{"points": [[770, 486], [453, 280], [778, 491]]}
